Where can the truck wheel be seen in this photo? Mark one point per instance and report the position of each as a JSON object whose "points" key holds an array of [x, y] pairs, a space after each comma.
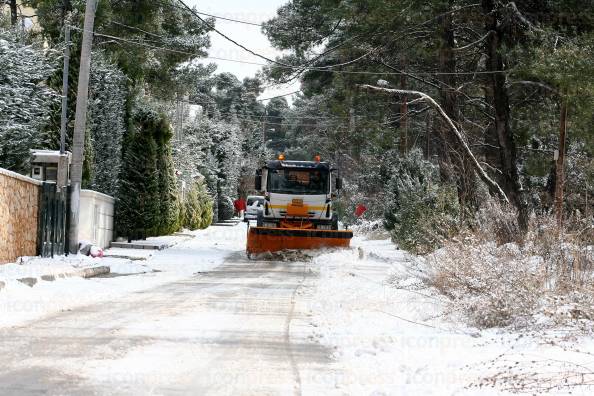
{"points": [[334, 221], [260, 219]]}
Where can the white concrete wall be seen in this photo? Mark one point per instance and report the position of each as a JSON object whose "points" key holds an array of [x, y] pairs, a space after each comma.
{"points": [[96, 218]]}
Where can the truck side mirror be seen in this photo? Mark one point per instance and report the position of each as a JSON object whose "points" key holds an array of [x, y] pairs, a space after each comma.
{"points": [[258, 181], [338, 183]]}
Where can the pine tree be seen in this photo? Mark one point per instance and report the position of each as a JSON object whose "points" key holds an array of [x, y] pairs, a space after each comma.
{"points": [[419, 211]]}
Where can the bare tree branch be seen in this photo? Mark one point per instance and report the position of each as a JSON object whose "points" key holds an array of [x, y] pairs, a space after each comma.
{"points": [[477, 166]]}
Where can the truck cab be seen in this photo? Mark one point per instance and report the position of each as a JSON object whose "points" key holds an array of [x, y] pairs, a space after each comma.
{"points": [[297, 194]]}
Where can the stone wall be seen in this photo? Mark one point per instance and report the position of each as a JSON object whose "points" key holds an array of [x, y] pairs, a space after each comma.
{"points": [[19, 202]]}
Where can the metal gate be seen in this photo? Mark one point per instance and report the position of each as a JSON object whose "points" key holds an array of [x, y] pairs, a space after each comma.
{"points": [[52, 220]]}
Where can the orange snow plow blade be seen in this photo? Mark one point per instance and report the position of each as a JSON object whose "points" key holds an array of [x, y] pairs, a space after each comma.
{"points": [[263, 239]]}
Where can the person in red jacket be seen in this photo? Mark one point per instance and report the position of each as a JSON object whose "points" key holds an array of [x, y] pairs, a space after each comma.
{"points": [[360, 209], [240, 207]]}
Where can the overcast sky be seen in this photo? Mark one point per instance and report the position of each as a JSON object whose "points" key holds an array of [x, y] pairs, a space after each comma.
{"points": [[256, 11]]}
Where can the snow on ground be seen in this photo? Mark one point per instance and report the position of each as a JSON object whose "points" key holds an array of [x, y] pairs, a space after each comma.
{"points": [[392, 336], [389, 333], [34, 267], [20, 303]]}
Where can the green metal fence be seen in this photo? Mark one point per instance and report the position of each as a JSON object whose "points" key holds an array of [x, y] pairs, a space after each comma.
{"points": [[52, 221]]}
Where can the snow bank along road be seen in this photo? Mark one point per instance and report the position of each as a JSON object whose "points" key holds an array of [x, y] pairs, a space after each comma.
{"points": [[206, 321]]}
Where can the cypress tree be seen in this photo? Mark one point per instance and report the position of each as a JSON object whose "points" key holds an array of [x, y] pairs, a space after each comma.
{"points": [[138, 198], [169, 205]]}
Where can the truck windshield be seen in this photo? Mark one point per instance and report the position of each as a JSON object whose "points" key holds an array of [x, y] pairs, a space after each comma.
{"points": [[290, 181]]}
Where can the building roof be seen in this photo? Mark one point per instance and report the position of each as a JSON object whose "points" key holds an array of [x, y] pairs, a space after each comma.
{"points": [[48, 156]]}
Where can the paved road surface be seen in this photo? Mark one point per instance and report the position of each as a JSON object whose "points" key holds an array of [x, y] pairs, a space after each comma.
{"points": [[241, 328]]}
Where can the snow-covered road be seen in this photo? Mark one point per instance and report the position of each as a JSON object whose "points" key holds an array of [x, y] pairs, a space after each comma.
{"points": [[231, 329], [205, 320]]}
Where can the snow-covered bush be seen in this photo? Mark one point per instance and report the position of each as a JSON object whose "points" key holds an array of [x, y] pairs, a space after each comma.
{"points": [[25, 99], [547, 280], [226, 208], [491, 285], [498, 222], [420, 212], [197, 208], [212, 148], [190, 153], [369, 228]]}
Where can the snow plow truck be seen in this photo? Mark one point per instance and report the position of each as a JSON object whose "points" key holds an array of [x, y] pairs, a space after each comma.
{"points": [[298, 210]]}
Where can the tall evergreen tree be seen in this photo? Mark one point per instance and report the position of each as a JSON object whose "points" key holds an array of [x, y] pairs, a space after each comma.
{"points": [[25, 101], [137, 208], [106, 125]]}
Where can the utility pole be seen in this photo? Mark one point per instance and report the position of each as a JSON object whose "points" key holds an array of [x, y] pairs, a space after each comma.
{"points": [[63, 162], [560, 164], [65, 88], [264, 127], [177, 116], [80, 123], [13, 12], [403, 112]]}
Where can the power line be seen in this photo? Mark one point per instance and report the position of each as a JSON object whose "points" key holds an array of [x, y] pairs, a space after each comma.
{"points": [[139, 29], [279, 96], [256, 117], [303, 68], [299, 68], [214, 29], [318, 69], [215, 16], [229, 19], [285, 116], [142, 44]]}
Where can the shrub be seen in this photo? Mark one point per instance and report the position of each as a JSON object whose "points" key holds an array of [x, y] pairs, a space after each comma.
{"points": [[198, 212], [547, 280], [421, 213], [192, 210], [226, 209], [206, 206], [490, 285], [497, 222]]}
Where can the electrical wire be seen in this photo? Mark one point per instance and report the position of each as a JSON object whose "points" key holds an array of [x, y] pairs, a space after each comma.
{"points": [[288, 117], [213, 16], [223, 35], [229, 19], [359, 72], [279, 96]]}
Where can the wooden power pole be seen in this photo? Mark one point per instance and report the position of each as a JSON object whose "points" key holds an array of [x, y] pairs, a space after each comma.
{"points": [[65, 72], [560, 164], [403, 111], [13, 12], [80, 123]]}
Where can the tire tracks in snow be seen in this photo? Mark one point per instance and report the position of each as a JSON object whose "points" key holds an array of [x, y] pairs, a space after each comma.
{"points": [[287, 341]]}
